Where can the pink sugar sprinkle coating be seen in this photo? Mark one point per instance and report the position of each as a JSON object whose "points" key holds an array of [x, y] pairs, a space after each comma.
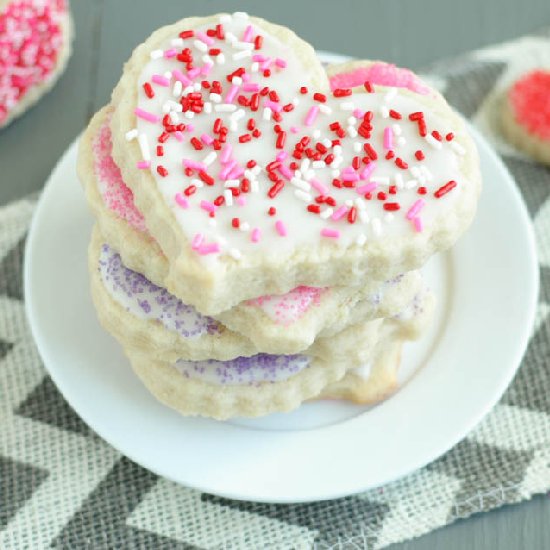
{"points": [[292, 306], [116, 195], [384, 74], [30, 40]]}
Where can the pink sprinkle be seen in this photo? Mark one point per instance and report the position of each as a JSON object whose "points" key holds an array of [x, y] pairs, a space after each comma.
{"points": [[170, 53], [208, 140], [181, 200], [259, 58], [178, 75], [294, 129], [274, 106], [212, 248], [232, 94], [358, 113], [282, 156], [178, 135], [208, 206], [241, 201], [286, 172], [251, 86], [318, 186], [146, 115], [350, 176], [247, 36], [339, 213], [194, 72], [311, 115], [160, 80], [224, 172], [226, 154], [197, 241], [246, 77], [280, 63], [367, 188], [236, 173], [368, 170], [144, 164], [206, 68], [281, 228], [331, 233], [418, 224], [415, 209], [189, 128], [204, 38], [193, 164], [256, 234], [266, 64], [388, 138]]}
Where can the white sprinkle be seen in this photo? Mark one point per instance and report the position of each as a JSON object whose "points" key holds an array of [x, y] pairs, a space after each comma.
{"points": [[166, 107], [197, 87], [326, 214], [235, 253], [399, 181], [212, 222], [237, 115], [352, 121], [349, 203], [436, 144], [207, 59], [254, 187], [256, 169], [316, 134], [318, 164], [237, 80], [384, 111], [298, 173], [325, 109], [360, 203], [200, 45], [411, 184], [327, 143], [220, 59], [225, 18], [178, 42], [415, 171], [207, 107], [174, 117], [231, 183], [382, 180], [197, 182], [397, 129], [352, 132], [188, 90], [156, 54], [335, 173], [189, 114], [457, 148], [144, 146], [347, 106], [336, 162], [363, 217], [401, 140], [243, 46], [255, 67], [132, 134], [245, 226], [337, 150], [241, 55], [266, 115], [376, 226], [225, 108], [388, 218], [357, 147], [304, 165], [361, 239], [177, 89], [233, 126], [306, 197], [390, 95], [230, 37], [427, 174], [216, 98], [295, 102], [308, 174], [304, 185], [241, 15], [210, 158], [168, 75], [228, 196]]}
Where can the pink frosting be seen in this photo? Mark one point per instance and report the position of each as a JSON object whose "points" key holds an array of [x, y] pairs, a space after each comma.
{"points": [[384, 74], [118, 197]]}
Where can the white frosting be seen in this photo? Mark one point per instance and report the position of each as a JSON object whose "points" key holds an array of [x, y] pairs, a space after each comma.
{"points": [[302, 227], [363, 371]]}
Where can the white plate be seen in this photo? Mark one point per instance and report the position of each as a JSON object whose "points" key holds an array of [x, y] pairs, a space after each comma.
{"points": [[487, 288]]}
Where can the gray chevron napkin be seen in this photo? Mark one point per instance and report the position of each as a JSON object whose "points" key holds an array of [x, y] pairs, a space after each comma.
{"points": [[63, 487]]}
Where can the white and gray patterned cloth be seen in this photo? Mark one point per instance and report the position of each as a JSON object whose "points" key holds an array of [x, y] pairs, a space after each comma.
{"points": [[63, 487]]}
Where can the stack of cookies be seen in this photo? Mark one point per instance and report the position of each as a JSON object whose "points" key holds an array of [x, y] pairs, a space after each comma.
{"points": [[261, 220]]}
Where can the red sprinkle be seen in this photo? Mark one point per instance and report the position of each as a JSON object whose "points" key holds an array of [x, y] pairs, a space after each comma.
{"points": [[188, 191], [162, 171], [258, 41], [395, 115], [272, 211], [195, 142], [450, 136], [187, 34], [149, 92], [314, 208], [368, 87], [341, 92], [207, 178], [444, 189], [437, 135], [391, 206], [245, 138], [303, 90], [160, 151], [370, 151], [400, 163], [352, 214], [235, 222], [322, 98], [276, 189], [422, 190], [419, 155]]}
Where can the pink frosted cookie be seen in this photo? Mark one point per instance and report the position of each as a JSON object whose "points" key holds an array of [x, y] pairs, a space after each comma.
{"points": [[35, 43], [526, 114], [284, 323], [255, 177]]}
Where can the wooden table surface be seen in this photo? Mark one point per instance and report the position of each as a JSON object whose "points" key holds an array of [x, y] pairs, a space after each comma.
{"points": [[408, 33]]}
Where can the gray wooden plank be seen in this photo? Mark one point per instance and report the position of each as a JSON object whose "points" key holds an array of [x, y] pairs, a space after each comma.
{"points": [[32, 144]]}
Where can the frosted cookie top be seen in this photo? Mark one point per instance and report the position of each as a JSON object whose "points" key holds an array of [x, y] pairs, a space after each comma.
{"points": [[252, 158]]}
